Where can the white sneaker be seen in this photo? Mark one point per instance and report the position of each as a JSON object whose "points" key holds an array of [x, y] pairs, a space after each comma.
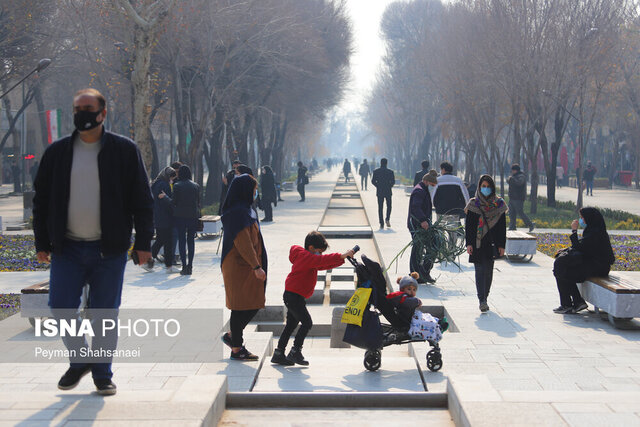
{"points": [[171, 270], [148, 266]]}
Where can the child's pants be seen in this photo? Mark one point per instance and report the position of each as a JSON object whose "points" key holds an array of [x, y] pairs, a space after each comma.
{"points": [[296, 313]]}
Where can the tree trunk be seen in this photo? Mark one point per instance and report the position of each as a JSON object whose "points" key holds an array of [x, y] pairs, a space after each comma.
{"points": [[42, 115], [143, 41]]}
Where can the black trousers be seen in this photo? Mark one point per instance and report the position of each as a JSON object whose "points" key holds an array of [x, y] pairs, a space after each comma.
{"points": [[363, 181], [296, 313], [484, 277], [239, 320], [381, 200], [516, 207], [164, 239], [301, 191], [268, 210], [424, 268], [568, 273]]}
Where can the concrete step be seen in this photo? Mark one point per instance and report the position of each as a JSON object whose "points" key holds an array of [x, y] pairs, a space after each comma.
{"points": [[346, 232], [373, 417], [342, 370]]}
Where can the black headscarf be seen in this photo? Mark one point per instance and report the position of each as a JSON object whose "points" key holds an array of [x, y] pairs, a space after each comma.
{"points": [[237, 214], [596, 230]]}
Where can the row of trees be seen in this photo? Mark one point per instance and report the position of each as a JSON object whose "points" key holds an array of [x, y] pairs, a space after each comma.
{"points": [[209, 80], [486, 82]]}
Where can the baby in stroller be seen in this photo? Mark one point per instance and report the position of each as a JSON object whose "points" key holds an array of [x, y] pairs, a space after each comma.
{"points": [[423, 325]]}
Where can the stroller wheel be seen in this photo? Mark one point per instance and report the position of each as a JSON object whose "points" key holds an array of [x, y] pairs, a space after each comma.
{"points": [[372, 360], [434, 360]]}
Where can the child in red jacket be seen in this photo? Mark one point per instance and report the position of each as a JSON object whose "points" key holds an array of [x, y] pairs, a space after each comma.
{"points": [[299, 285]]}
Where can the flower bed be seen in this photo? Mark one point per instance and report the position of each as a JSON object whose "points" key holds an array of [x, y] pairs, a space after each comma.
{"points": [[626, 249], [9, 304], [18, 253]]}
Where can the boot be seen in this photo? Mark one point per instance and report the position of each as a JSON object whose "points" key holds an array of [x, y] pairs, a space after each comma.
{"points": [[295, 355], [280, 359]]}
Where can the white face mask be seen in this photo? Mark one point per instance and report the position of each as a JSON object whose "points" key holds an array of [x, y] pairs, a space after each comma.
{"points": [[255, 194]]}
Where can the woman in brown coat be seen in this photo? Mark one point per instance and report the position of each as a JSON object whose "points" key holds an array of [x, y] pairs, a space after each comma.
{"points": [[244, 262]]}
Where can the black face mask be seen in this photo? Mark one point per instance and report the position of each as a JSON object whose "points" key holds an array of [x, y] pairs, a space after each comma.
{"points": [[86, 120]]}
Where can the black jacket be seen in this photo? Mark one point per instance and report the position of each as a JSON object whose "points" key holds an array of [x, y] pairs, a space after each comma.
{"points": [[268, 187], [518, 186], [417, 178], [364, 169], [594, 244], [125, 196], [383, 179], [162, 208], [498, 233], [186, 199], [420, 209]]}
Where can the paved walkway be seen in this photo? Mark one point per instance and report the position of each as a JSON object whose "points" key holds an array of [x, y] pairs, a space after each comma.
{"points": [[520, 363], [618, 198]]}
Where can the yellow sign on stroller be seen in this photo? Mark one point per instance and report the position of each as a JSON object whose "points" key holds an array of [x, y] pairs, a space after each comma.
{"points": [[355, 307]]}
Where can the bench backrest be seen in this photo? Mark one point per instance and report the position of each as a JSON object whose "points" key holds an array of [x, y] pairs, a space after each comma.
{"points": [[38, 288]]}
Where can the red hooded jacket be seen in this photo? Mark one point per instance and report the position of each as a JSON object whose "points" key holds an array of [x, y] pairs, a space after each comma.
{"points": [[304, 272]]}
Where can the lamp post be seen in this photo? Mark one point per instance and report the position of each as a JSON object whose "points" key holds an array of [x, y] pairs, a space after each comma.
{"points": [[42, 64]]}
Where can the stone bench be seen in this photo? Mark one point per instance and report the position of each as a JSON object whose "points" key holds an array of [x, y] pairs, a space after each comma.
{"points": [[614, 296], [212, 226], [287, 186], [34, 301], [520, 246]]}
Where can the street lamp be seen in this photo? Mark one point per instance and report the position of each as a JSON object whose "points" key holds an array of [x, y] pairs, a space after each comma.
{"points": [[42, 64]]}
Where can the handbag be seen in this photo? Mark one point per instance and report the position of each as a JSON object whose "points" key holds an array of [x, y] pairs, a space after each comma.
{"points": [[495, 253]]}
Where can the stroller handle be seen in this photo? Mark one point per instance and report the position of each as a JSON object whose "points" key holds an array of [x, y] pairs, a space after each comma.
{"points": [[353, 262]]}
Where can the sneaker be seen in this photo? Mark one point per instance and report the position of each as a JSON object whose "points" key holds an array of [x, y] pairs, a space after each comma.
{"points": [[226, 339], [381, 226], [72, 377], [582, 306], [562, 310], [105, 387], [186, 271], [295, 355], [160, 258], [243, 355], [170, 270], [484, 307], [532, 226], [388, 224], [280, 359], [148, 266], [429, 279]]}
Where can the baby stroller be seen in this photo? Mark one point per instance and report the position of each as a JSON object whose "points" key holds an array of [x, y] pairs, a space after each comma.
{"points": [[369, 274]]}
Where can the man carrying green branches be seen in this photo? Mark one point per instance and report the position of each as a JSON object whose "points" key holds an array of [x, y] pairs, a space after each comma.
{"points": [[420, 209]]}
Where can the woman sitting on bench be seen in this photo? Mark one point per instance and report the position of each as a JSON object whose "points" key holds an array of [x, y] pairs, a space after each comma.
{"points": [[589, 255]]}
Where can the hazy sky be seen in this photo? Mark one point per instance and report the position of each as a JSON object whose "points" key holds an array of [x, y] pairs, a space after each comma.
{"points": [[365, 15]]}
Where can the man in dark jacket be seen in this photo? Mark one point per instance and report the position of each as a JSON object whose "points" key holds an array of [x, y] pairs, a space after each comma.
{"points": [[417, 178], [302, 180], [517, 193], [420, 211], [383, 179], [15, 172], [91, 189], [269, 193], [588, 175], [364, 172], [346, 169]]}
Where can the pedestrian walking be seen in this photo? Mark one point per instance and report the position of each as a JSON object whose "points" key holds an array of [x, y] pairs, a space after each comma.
{"points": [[163, 217], [486, 234], [364, 172], [420, 212], [186, 213], [91, 188], [243, 263], [33, 171], [383, 179], [517, 193], [269, 193], [589, 175], [559, 176], [15, 172], [450, 197], [589, 255], [346, 169], [417, 178], [302, 180]]}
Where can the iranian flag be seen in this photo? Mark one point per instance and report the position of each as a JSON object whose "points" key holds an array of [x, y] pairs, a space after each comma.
{"points": [[53, 125]]}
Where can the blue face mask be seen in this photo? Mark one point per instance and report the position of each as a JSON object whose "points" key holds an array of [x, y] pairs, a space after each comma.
{"points": [[582, 223], [255, 195], [486, 191]]}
